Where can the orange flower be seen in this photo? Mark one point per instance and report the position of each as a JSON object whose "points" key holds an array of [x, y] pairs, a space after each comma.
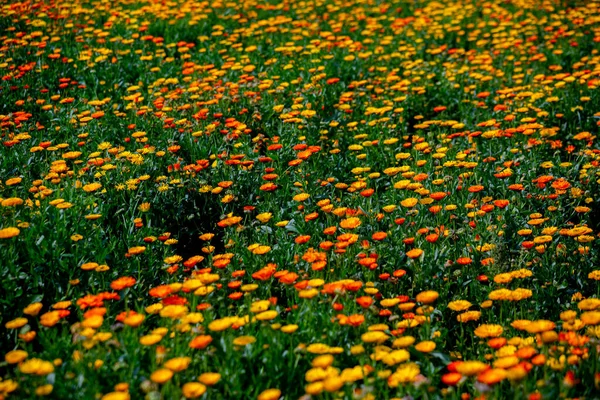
{"points": [[265, 273], [451, 378], [379, 236], [364, 301], [122, 283], [350, 223], [464, 261], [438, 195], [414, 253], [200, 342], [475, 188], [302, 239], [355, 320]]}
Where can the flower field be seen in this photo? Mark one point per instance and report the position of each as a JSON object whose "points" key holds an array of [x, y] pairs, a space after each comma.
{"points": [[317, 199]]}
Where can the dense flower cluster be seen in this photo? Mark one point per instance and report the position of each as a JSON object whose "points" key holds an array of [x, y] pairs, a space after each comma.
{"points": [[299, 199]]}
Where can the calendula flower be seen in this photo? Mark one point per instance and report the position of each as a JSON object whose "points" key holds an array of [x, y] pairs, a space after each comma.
{"points": [[488, 330], [8, 233], [192, 390], [161, 376]]}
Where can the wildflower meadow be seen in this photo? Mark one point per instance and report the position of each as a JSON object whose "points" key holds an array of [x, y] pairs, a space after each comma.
{"points": [[299, 199]]}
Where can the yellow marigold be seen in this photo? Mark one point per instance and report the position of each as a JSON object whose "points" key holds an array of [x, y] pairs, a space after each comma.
{"points": [[374, 337], [116, 396], [92, 187], [44, 390], [503, 278], [173, 311], [192, 390], [244, 340], [409, 203], [425, 346], [396, 357], [13, 181], [210, 378], [427, 297], [500, 294], [270, 394], [471, 368], [590, 317], [161, 375], [520, 324], [264, 217], [136, 250], [291, 328], [488, 330], [350, 223], [11, 202], [540, 326], [468, 316], [459, 305], [506, 362], [178, 364], [402, 342], [15, 356], [404, 374], [35, 366], [149, 340], [16, 323], [317, 348], [8, 233], [266, 315], [589, 304], [220, 324], [301, 196]]}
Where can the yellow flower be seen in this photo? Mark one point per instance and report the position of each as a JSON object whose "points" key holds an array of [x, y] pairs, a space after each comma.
{"points": [[16, 323], [174, 311], [8, 233], [149, 340], [289, 328], [404, 341], [15, 356], [470, 368], [44, 390], [264, 217], [404, 374], [134, 320], [244, 340], [396, 357], [161, 376], [35, 366], [269, 394], [350, 223], [266, 315], [426, 346], [488, 330], [116, 396], [209, 378], [178, 364], [11, 202], [301, 197], [91, 187], [427, 297], [459, 305], [374, 337], [220, 324], [591, 317], [468, 316], [191, 390], [409, 203], [136, 250]]}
